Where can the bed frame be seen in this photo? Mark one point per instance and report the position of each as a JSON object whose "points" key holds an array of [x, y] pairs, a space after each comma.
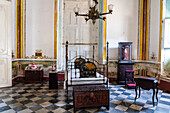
{"points": [[87, 68]]}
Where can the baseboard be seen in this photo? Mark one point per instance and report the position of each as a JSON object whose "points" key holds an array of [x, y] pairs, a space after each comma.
{"points": [[22, 79]]}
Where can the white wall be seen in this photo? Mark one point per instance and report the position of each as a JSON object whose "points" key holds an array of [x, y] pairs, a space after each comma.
{"points": [[39, 27], [122, 26], [14, 26], [154, 27]]}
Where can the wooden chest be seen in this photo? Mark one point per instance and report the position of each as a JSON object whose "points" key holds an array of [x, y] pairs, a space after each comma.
{"points": [[61, 76], [90, 96], [34, 75]]}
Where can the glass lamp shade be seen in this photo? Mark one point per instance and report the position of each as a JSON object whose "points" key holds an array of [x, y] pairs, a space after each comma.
{"points": [[91, 3], [110, 7], [76, 9]]}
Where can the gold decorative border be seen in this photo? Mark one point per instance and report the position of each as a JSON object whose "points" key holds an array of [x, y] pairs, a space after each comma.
{"points": [[105, 25], [55, 30], [160, 32], [16, 27], [141, 29], [21, 29], [147, 29]]}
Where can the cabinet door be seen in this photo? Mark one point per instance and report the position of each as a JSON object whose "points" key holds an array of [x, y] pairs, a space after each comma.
{"points": [[5, 44], [121, 73], [122, 69]]}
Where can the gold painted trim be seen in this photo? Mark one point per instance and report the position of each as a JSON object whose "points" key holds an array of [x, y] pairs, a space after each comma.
{"points": [[24, 46], [16, 26], [141, 29], [105, 24], [138, 48], [21, 28], [55, 30], [160, 32], [147, 29]]}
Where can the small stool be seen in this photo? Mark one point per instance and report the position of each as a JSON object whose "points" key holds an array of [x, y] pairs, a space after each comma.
{"points": [[53, 80], [129, 79]]}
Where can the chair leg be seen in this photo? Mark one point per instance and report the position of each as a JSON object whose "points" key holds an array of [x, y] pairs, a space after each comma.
{"points": [[139, 92], [157, 93], [153, 97], [125, 82], [136, 93]]}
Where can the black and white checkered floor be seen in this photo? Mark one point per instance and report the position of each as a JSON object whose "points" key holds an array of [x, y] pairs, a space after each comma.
{"points": [[37, 98]]}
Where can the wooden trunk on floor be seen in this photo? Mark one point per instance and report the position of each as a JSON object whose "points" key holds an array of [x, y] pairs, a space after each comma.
{"points": [[164, 85], [90, 96], [34, 75]]}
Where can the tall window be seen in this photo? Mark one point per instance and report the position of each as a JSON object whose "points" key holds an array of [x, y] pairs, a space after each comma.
{"points": [[167, 37]]}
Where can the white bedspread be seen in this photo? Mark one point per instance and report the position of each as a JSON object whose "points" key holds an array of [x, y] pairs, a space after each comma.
{"points": [[80, 81]]}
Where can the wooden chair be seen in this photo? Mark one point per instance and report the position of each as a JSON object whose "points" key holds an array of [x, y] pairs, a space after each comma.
{"points": [[129, 79]]}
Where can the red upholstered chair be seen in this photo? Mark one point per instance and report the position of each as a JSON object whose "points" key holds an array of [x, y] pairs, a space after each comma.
{"points": [[129, 79]]}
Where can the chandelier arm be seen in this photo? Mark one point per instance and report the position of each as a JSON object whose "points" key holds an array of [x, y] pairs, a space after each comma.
{"points": [[96, 2], [81, 15], [86, 19], [105, 13], [100, 18]]}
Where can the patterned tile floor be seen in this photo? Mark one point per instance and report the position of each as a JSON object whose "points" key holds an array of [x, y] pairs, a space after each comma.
{"points": [[37, 98]]}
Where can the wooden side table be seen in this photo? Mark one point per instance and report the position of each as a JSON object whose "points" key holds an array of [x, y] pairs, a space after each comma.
{"points": [[147, 84]]}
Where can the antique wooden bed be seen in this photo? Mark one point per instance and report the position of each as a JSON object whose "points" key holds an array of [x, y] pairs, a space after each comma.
{"points": [[85, 71]]}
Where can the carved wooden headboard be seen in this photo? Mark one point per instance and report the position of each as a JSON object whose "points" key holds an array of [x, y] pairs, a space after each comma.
{"points": [[78, 62], [87, 69]]}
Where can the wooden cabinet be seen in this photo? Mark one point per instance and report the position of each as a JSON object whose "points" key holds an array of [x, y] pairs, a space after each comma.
{"points": [[124, 61], [34, 75], [121, 71]]}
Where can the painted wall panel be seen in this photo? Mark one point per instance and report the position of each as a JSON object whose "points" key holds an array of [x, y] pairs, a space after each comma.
{"points": [[154, 27], [39, 27], [77, 30], [122, 26], [3, 28], [5, 69]]}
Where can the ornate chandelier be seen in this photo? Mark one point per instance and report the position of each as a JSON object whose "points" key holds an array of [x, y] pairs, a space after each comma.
{"points": [[93, 13]]}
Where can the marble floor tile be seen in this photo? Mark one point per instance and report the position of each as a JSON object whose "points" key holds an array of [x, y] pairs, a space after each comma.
{"points": [[37, 98]]}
